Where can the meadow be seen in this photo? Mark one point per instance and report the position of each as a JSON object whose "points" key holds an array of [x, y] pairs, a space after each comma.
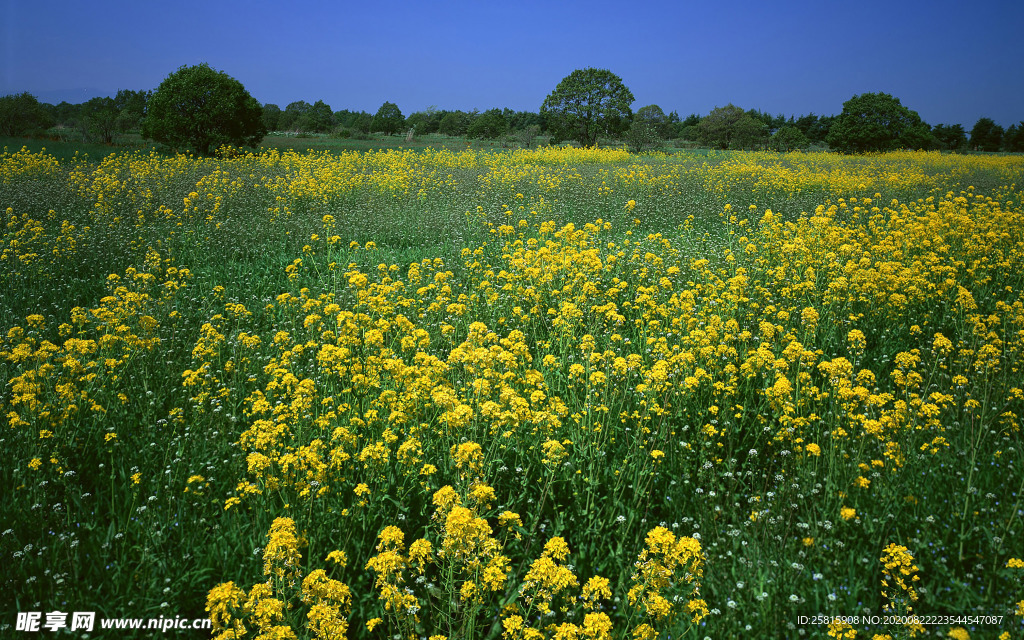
{"points": [[550, 393], [280, 141]]}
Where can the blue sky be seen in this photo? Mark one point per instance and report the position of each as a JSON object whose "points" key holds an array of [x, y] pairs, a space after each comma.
{"points": [[952, 62]]}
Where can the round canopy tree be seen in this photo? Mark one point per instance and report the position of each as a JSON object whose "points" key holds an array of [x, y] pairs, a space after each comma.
{"points": [[654, 116], [388, 119], [202, 108], [21, 114], [877, 122], [730, 127], [588, 103], [986, 135]]}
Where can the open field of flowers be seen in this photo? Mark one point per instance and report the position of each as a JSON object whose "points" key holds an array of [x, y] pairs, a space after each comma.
{"points": [[557, 393]]}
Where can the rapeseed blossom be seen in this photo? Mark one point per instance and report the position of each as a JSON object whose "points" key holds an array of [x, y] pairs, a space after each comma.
{"points": [[600, 341]]}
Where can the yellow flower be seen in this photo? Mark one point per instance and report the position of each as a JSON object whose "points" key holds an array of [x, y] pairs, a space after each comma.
{"points": [[513, 626], [899, 573], [596, 588], [508, 518], [222, 602], [337, 557], [556, 548], [482, 494], [810, 316], [445, 498], [840, 629], [468, 456], [554, 453], [857, 341], [698, 610], [420, 552], [391, 537], [281, 556], [847, 513]]}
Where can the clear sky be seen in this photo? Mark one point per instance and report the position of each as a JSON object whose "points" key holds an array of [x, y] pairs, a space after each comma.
{"points": [[952, 62]]}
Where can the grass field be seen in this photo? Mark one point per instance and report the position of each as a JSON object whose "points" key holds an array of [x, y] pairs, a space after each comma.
{"points": [[283, 142], [551, 393], [279, 141]]}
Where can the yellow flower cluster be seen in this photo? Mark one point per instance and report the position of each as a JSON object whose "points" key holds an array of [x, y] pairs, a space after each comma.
{"points": [[81, 380], [269, 608], [899, 573], [668, 571], [656, 577]]}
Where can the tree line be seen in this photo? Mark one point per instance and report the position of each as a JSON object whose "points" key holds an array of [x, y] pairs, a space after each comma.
{"points": [[98, 119], [201, 108]]}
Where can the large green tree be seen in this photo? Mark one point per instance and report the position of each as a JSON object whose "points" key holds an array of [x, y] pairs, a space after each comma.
{"points": [[688, 129], [100, 119], [388, 119], [642, 136], [814, 127], [202, 108], [986, 135], [22, 114], [654, 116], [787, 138], [751, 131], [586, 104], [877, 122], [950, 137], [131, 107], [731, 127], [454, 123], [271, 116], [289, 119], [426, 121], [360, 122], [490, 124], [318, 117], [1013, 139]]}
